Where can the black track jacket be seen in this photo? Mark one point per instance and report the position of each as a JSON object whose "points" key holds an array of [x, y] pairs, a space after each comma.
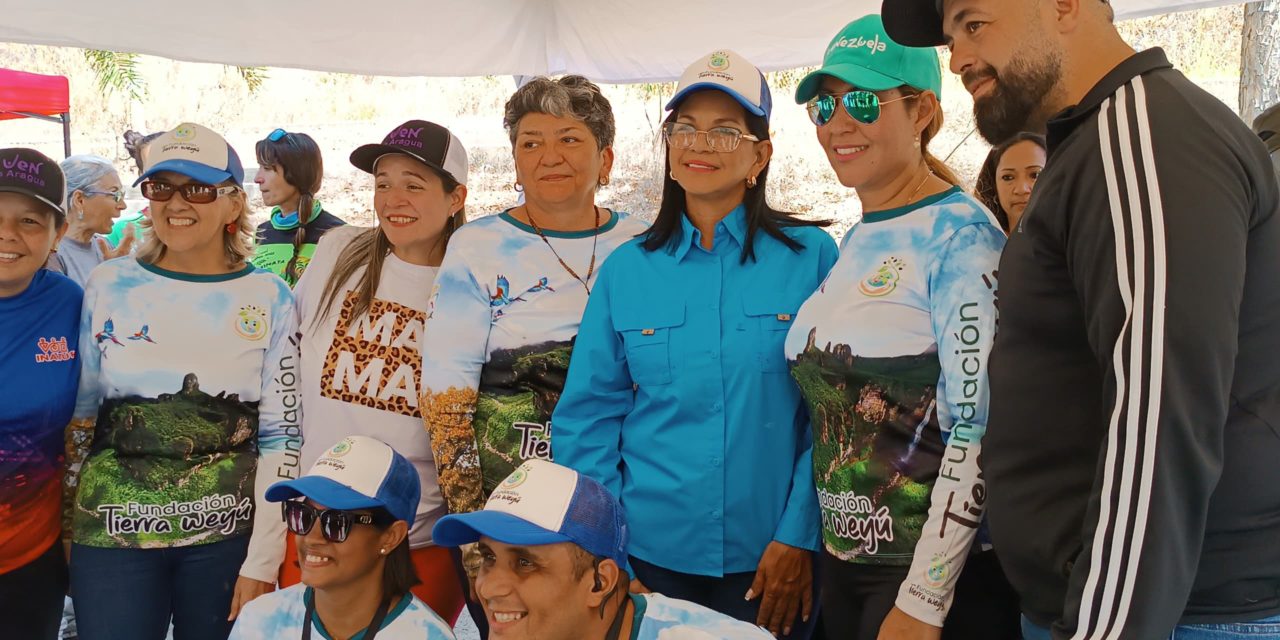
{"points": [[1133, 452]]}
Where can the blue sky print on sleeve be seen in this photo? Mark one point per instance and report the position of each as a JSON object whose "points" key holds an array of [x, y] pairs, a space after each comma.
{"points": [[498, 342]]}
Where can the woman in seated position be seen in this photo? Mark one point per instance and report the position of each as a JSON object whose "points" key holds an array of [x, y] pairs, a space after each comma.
{"points": [[349, 516]]}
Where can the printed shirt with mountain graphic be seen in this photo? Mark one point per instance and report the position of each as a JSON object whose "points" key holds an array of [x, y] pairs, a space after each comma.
{"points": [[189, 387], [500, 329], [891, 356]]}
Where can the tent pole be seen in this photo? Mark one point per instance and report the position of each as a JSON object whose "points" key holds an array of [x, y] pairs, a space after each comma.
{"points": [[66, 133]]}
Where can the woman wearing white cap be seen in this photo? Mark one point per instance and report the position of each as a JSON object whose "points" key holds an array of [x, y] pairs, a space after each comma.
{"points": [[891, 357], [362, 303], [349, 516], [187, 410], [678, 398]]}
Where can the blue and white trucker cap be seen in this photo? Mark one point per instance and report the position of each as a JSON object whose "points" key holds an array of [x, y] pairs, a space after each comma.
{"points": [[544, 503], [726, 71], [194, 151], [357, 473]]}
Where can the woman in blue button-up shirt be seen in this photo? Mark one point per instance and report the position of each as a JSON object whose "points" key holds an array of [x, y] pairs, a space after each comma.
{"points": [[678, 397]]}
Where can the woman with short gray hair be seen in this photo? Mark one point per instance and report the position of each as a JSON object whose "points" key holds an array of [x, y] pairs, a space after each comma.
{"points": [[94, 200], [510, 293]]}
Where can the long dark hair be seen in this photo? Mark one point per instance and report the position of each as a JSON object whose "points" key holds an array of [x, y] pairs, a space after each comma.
{"points": [[298, 157], [761, 216], [370, 248], [985, 187]]}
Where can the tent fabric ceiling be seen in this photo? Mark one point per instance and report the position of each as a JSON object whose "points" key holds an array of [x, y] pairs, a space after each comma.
{"points": [[32, 93], [615, 41]]}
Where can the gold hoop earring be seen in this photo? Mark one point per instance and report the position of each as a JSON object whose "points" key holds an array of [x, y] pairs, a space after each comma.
{"points": [[518, 187], [751, 182], [604, 181], [673, 175]]}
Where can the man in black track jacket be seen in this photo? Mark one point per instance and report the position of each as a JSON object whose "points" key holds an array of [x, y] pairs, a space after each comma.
{"points": [[1133, 453]]}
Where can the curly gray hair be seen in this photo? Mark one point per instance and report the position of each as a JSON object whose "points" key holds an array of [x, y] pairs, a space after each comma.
{"points": [[572, 96]]}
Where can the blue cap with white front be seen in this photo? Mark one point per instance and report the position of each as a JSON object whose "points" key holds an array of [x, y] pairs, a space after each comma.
{"points": [[544, 503], [357, 473], [729, 72], [196, 152]]}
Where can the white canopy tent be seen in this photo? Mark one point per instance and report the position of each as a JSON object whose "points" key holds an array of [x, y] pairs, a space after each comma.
{"points": [[615, 41]]}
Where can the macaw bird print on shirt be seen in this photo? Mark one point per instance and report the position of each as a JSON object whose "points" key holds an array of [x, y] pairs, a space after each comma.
{"points": [[142, 334], [108, 333], [502, 294]]}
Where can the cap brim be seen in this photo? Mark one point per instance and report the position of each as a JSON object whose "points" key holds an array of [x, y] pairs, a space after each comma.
{"points": [[698, 86], [858, 76], [913, 23], [193, 170], [365, 157], [325, 491], [57, 208], [465, 528]]}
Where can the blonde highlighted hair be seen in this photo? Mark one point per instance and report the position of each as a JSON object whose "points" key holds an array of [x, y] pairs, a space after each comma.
{"points": [[936, 165], [238, 246]]}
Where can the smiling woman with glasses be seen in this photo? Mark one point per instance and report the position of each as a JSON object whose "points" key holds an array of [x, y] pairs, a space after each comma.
{"points": [[678, 374], [350, 517], [189, 403], [94, 200], [891, 358]]}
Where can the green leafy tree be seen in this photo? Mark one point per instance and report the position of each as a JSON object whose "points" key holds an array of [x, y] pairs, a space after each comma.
{"points": [[116, 71]]}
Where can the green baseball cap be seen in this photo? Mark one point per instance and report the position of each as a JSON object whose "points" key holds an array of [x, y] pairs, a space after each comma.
{"points": [[863, 55]]}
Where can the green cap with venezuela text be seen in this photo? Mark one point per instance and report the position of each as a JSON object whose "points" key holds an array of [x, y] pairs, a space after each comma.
{"points": [[863, 55]]}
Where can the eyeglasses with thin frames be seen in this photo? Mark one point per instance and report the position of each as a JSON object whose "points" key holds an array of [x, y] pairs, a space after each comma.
{"points": [[680, 135], [118, 196]]}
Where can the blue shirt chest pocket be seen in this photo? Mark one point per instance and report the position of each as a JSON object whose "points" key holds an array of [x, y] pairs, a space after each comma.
{"points": [[646, 338], [769, 321]]}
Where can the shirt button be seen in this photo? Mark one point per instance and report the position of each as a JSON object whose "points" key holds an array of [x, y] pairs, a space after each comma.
{"points": [[715, 407], [715, 514], [713, 354], [715, 462]]}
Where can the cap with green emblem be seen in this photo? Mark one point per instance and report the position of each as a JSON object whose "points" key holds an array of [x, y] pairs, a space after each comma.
{"points": [[863, 55]]}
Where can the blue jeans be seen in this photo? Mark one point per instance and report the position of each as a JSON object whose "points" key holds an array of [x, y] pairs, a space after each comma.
{"points": [[1265, 628], [131, 594]]}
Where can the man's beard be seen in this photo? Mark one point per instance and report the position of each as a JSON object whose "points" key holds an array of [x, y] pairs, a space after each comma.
{"points": [[1018, 102]]}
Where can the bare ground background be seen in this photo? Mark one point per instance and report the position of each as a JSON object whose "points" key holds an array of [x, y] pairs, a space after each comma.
{"points": [[343, 111]]}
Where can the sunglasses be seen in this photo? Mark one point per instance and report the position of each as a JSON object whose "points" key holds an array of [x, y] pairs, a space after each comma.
{"points": [[720, 139], [863, 106], [118, 196], [335, 524], [276, 135], [192, 192]]}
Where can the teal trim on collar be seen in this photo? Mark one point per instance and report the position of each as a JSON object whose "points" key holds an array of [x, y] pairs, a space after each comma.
{"points": [[318, 624], [889, 214], [587, 233], [289, 222], [192, 277], [641, 605], [735, 223]]}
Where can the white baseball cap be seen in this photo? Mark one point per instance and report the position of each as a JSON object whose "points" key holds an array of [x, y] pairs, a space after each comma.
{"points": [[194, 151], [357, 473], [544, 503], [726, 71]]}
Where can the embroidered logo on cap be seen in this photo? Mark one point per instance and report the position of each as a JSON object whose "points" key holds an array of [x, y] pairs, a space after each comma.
{"points": [[184, 133], [719, 61], [23, 170], [340, 449]]}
